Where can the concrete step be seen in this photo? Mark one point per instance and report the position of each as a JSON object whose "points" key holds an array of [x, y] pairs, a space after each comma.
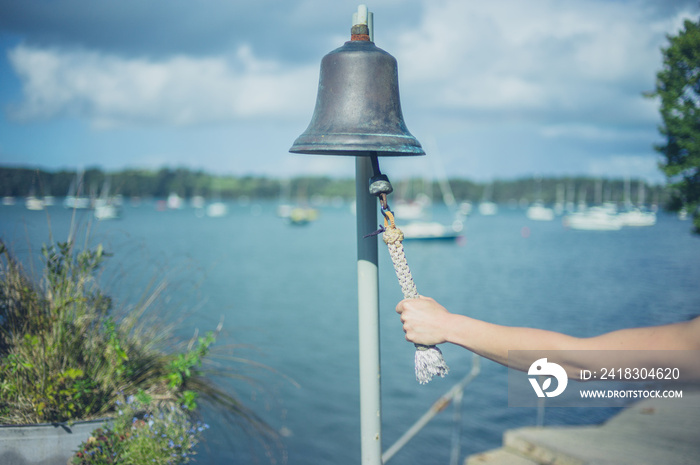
{"points": [[655, 431], [552, 446], [498, 457]]}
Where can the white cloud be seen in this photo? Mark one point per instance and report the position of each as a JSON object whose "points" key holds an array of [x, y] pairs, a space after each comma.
{"points": [[110, 90], [559, 59], [590, 132], [546, 60]]}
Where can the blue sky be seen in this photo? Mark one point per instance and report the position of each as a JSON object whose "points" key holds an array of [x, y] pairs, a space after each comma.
{"points": [[496, 89]]}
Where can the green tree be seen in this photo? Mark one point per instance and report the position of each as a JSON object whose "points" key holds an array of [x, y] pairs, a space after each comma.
{"points": [[678, 86]]}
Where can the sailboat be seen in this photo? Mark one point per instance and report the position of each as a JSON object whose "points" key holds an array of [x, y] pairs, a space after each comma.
{"points": [[32, 202], [594, 219], [106, 208], [74, 199], [174, 201], [486, 206], [432, 231], [559, 204], [284, 206], [217, 208], [49, 200], [426, 230], [412, 206], [413, 210], [300, 213], [599, 218], [537, 211], [636, 216]]}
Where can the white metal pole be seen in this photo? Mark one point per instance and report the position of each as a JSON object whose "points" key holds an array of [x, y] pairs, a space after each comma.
{"points": [[368, 316]]}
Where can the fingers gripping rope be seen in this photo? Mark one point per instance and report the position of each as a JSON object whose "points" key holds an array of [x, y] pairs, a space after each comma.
{"points": [[429, 361]]}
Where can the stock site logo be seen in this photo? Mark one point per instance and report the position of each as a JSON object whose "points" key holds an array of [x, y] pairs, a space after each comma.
{"points": [[542, 367]]}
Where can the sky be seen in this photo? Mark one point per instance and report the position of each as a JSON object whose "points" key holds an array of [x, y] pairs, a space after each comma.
{"points": [[493, 90]]}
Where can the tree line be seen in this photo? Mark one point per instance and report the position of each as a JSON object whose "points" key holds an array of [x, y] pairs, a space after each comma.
{"points": [[20, 182], [678, 89]]}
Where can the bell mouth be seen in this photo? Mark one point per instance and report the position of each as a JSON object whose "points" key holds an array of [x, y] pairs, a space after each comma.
{"points": [[354, 144]]}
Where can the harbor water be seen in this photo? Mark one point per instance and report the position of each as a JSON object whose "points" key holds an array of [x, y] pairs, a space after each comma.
{"points": [[287, 296]]}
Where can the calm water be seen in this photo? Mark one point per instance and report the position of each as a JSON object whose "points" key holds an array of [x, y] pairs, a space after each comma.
{"points": [[288, 295]]}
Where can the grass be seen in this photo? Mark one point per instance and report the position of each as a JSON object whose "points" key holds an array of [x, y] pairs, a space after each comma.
{"points": [[65, 355]]}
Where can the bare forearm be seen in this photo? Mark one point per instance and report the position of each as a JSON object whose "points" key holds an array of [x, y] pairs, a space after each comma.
{"points": [[494, 341], [649, 345], [427, 322]]}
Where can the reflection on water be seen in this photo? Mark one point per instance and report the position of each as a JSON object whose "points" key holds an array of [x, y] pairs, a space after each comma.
{"points": [[290, 293]]}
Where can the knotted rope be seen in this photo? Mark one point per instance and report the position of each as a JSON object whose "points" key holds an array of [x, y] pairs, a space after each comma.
{"points": [[429, 361]]}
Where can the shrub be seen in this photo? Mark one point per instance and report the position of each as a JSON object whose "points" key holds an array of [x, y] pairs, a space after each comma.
{"points": [[64, 356], [143, 432], [56, 355]]}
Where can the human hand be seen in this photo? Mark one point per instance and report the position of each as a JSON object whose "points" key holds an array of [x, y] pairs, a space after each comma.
{"points": [[424, 320]]}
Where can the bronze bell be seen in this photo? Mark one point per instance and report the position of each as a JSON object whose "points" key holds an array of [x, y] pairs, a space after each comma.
{"points": [[358, 111]]}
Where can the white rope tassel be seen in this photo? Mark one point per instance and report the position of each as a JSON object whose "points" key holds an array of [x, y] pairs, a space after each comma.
{"points": [[429, 361]]}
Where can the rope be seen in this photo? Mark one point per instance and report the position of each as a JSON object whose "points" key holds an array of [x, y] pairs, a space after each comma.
{"points": [[429, 361]]}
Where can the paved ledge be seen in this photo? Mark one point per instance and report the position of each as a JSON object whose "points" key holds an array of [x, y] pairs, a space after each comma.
{"points": [[653, 431]]}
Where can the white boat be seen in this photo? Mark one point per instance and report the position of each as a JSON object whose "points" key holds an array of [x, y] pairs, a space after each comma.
{"points": [[72, 201], [106, 211], [487, 208], [431, 230], [174, 201], [107, 207], [197, 201], [284, 210], [593, 219], [559, 203], [418, 214], [299, 216], [412, 210], [33, 203], [538, 212], [74, 198], [217, 209], [285, 206], [637, 217], [465, 208], [302, 215]]}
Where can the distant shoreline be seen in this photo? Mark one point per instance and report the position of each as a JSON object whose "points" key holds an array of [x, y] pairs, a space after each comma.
{"points": [[25, 181]]}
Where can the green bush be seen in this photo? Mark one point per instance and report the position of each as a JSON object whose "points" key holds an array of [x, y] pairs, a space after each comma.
{"points": [[55, 353], [143, 432], [64, 356]]}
